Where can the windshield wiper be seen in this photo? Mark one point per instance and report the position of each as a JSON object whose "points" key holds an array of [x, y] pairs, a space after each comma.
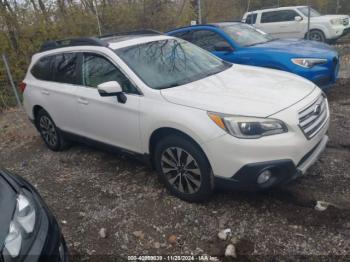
{"points": [[258, 43]]}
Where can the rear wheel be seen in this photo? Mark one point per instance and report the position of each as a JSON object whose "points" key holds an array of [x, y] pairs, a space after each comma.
{"points": [[51, 135], [184, 169], [317, 35]]}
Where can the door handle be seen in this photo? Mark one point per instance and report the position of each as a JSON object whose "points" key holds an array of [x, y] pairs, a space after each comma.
{"points": [[83, 101], [45, 92]]}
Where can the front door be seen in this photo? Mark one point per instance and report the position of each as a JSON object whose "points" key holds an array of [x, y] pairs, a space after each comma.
{"points": [[104, 118]]}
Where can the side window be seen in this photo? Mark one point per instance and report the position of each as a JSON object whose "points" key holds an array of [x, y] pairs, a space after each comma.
{"points": [[97, 70], [206, 39], [251, 19], [187, 35], [42, 69], [66, 68], [278, 16]]}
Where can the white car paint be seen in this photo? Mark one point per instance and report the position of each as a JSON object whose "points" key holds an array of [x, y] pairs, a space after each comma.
{"points": [[241, 90], [298, 29]]}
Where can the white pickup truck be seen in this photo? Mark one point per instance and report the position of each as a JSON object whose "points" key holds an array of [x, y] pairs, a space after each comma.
{"points": [[292, 22]]}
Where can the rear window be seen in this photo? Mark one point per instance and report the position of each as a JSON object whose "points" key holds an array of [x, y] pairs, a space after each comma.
{"points": [[42, 69]]}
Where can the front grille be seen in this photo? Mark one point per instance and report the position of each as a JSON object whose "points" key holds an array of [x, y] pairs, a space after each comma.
{"points": [[346, 21], [313, 117]]}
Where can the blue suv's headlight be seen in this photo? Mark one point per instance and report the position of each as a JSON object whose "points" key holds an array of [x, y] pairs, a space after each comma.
{"points": [[309, 62]]}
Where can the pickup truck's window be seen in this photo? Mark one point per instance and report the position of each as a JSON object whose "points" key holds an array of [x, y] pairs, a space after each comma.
{"points": [[313, 12], [278, 16], [42, 69], [97, 70], [206, 39], [171, 62], [66, 68], [251, 19], [246, 35]]}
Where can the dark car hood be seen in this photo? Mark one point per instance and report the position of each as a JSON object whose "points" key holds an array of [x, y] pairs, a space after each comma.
{"points": [[295, 46], [8, 196]]}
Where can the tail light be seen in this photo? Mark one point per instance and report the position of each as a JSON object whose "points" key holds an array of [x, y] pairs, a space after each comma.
{"points": [[22, 86]]}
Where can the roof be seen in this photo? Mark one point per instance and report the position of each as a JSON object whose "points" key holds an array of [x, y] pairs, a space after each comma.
{"points": [[136, 41], [220, 24], [276, 8], [102, 41]]}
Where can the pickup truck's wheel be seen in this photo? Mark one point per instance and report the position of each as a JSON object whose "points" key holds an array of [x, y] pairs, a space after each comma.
{"points": [[49, 132], [317, 35], [184, 169]]}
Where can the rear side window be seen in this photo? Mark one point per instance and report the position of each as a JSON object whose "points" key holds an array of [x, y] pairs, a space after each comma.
{"points": [[42, 69], [278, 16], [187, 35], [66, 68], [206, 39], [251, 19]]}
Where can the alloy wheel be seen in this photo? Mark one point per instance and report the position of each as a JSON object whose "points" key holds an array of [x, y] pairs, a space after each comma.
{"points": [[181, 170], [316, 37], [48, 131]]}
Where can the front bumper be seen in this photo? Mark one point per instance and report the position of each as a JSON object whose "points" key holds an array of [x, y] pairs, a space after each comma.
{"points": [[283, 171], [48, 243]]}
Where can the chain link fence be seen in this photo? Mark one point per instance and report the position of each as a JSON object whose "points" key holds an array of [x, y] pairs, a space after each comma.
{"points": [[7, 94]]}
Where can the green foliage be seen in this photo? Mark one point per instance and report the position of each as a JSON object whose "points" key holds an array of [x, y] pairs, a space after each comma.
{"points": [[26, 24]]}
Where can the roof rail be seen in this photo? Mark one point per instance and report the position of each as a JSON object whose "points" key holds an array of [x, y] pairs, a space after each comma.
{"points": [[136, 32], [83, 41], [177, 28]]}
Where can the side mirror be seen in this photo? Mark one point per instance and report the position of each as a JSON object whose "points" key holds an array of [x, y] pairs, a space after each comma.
{"points": [[223, 47], [298, 18], [112, 88]]}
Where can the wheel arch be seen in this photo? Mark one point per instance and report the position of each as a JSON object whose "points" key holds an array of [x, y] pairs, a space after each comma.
{"points": [[162, 132], [35, 112], [323, 30]]}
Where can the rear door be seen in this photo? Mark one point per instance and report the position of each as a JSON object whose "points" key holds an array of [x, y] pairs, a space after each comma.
{"points": [[104, 118], [58, 89], [282, 24]]}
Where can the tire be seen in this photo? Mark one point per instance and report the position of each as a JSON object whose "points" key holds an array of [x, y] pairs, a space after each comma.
{"points": [[49, 132], [190, 179], [317, 35]]}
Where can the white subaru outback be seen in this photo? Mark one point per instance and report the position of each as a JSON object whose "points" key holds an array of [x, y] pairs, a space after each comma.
{"points": [[201, 122], [292, 22]]}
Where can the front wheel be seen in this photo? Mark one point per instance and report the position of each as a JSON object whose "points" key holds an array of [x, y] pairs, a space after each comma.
{"points": [[184, 169], [316, 35]]}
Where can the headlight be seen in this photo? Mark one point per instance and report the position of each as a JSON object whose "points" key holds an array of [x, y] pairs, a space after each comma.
{"points": [[248, 127], [309, 62], [21, 226], [336, 21]]}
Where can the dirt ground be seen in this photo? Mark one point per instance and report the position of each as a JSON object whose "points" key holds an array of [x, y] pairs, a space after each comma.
{"points": [[88, 190]]}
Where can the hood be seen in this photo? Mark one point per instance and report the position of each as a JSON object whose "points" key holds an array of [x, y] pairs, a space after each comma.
{"points": [[296, 47], [242, 90], [7, 206]]}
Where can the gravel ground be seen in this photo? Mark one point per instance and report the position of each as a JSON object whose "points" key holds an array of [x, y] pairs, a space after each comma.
{"points": [[89, 190]]}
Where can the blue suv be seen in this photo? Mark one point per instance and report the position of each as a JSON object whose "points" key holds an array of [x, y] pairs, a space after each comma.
{"points": [[243, 44]]}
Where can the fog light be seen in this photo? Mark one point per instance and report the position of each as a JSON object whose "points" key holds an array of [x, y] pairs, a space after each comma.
{"points": [[264, 177]]}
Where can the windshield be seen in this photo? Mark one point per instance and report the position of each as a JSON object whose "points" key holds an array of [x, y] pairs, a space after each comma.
{"points": [[246, 35], [305, 11], [171, 62]]}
